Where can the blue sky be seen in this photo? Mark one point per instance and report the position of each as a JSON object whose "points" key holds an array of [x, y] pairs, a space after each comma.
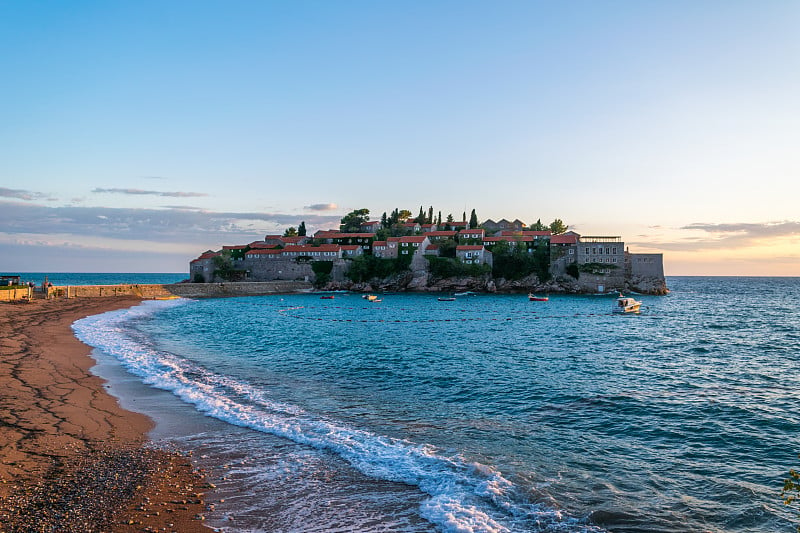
{"points": [[135, 135]]}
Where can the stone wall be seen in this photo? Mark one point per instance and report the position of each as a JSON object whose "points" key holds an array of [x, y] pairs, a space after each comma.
{"points": [[186, 290]]}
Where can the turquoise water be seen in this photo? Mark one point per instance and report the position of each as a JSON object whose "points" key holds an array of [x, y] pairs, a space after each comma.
{"points": [[113, 278], [490, 413]]}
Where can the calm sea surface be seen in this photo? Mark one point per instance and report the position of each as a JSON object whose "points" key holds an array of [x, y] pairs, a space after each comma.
{"points": [[115, 278], [489, 413]]}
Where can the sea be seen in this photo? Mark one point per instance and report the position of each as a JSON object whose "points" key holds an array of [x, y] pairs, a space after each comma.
{"points": [[490, 413], [114, 278]]}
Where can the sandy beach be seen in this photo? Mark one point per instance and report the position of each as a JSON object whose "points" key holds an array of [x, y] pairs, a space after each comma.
{"points": [[70, 458]]}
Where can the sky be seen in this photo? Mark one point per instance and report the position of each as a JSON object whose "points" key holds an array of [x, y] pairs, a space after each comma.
{"points": [[136, 135]]}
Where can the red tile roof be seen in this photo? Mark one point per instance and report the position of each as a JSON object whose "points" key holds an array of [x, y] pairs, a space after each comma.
{"points": [[413, 238], [263, 251], [378, 243], [449, 233], [465, 247], [307, 248], [339, 235], [525, 232], [564, 239], [206, 255], [235, 247], [509, 238], [350, 247], [471, 231]]}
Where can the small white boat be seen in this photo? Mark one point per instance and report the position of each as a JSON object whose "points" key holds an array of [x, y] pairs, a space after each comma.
{"points": [[466, 293], [626, 304]]}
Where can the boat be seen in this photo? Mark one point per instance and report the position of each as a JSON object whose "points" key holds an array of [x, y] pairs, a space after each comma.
{"points": [[370, 297], [626, 304], [446, 299], [170, 297], [534, 298], [326, 297], [467, 293]]}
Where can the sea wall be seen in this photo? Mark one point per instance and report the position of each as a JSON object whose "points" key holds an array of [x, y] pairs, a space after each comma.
{"points": [[13, 295], [185, 290]]}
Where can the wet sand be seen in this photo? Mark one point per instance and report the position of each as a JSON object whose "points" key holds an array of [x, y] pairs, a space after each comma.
{"points": [[70, 457]]}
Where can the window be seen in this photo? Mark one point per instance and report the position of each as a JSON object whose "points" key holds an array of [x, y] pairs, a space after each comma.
{"points": [[614, 251], [571, 251]]}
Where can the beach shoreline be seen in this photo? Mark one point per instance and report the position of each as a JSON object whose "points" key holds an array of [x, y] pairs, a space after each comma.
{"points": [[68, 451]]}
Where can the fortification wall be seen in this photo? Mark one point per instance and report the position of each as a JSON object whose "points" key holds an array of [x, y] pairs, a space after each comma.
{"points": [[276, 269], [647, 265]]}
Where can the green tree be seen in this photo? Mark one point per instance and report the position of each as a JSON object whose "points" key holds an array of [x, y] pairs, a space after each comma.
{"points": [[539, 226], [557, 227], [473, 220], [384, 220], [223, 266], [351, 222], [429, 219], [421, 217], [439, 220], [573, 270], [447, 248], [404, 215], [291, 232], [301, 229]]}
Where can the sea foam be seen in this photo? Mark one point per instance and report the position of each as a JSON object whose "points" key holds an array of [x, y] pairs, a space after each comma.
{"points": [[463, 496]]}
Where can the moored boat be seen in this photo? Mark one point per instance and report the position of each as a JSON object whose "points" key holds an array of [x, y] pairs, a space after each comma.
{"points": [[533, 298], [446, 299]]}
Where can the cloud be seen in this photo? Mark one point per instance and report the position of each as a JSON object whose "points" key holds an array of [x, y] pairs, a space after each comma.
{"points": [[157, 225], [750, 230], [322, 207], [152, 193], [23, 194], [727, 235]]}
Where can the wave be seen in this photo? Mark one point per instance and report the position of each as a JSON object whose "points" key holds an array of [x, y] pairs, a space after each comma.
{"points": [[463, 496]]}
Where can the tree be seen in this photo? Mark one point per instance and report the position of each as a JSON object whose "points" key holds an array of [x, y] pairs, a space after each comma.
{"points": [[384, 220], [557, 227], [429, 219], [404, 215], [449, 218], [439, 220], [421, 217], [351, 222], [539, 226], [291, 232], [473, 220], [301, 229], [464, 216]]}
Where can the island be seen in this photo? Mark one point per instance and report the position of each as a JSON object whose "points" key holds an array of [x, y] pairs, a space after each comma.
{"points": [[400, 253]]}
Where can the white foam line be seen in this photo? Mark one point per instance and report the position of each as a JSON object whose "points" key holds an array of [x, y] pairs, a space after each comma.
{"points": [[464, 498]]}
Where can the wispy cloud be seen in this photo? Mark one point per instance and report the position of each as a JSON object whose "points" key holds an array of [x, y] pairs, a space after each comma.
{"points": [[727, 235], [22, 194], [178, 194], [159, 225], [322, 207]]}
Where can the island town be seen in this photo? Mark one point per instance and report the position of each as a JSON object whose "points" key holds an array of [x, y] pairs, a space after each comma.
{"points": [[427, 253]]}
